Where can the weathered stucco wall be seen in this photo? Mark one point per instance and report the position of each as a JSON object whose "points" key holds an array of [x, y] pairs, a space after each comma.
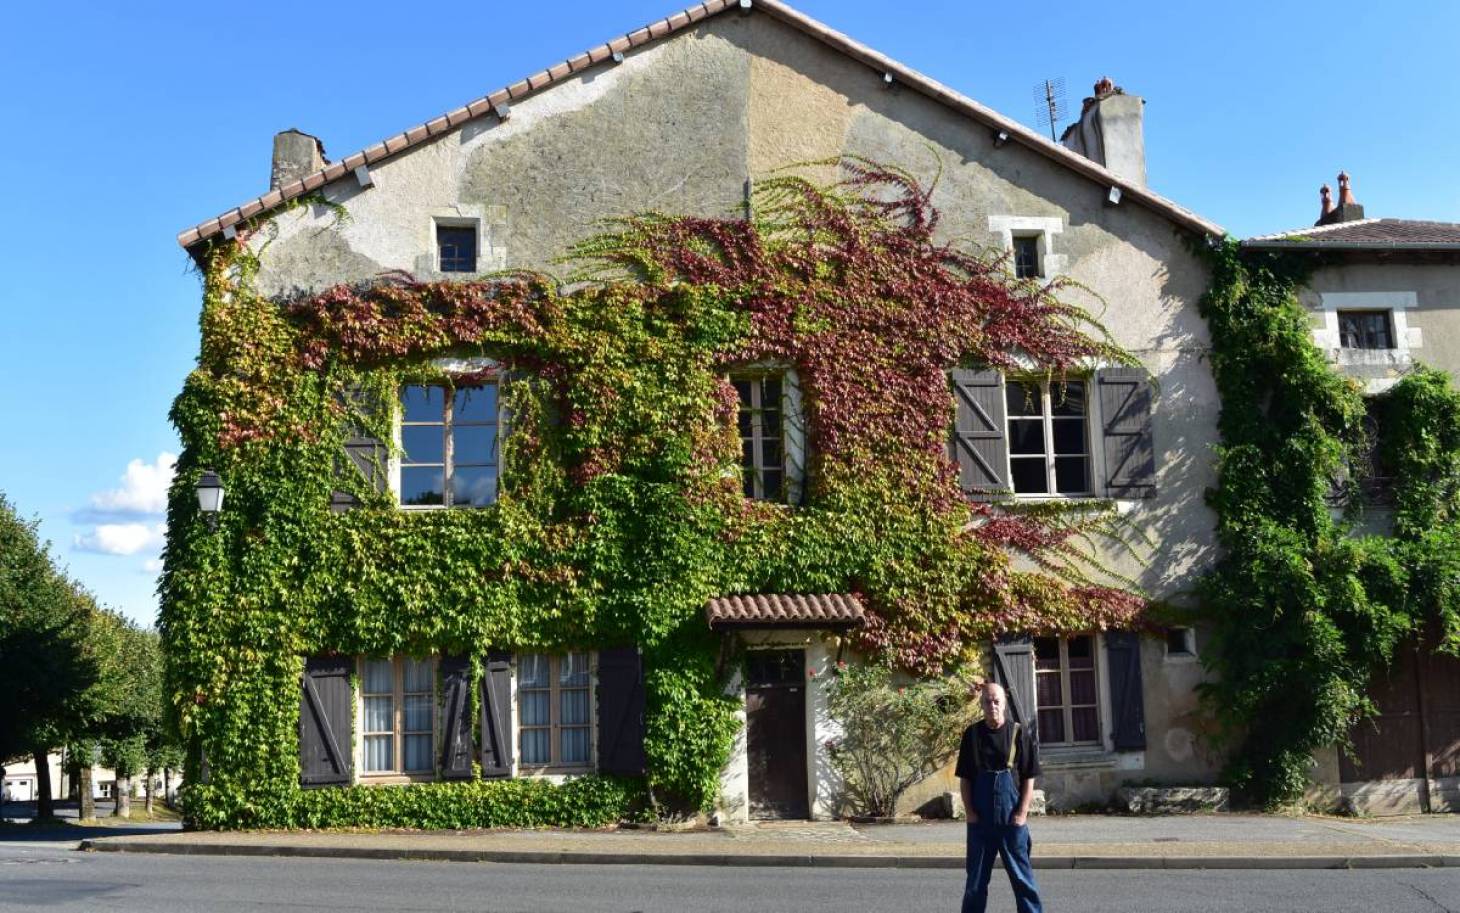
{"points": [[1433, 289]]}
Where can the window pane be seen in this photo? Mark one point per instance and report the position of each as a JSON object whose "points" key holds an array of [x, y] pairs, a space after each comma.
{"points": [[422, 485], [743, 420], [417, 675], [379, 753], [532, 670], [1082, 652], [772, 484], [573, 707], [1047, 652], [423, 443], [573, 670], [417, 713], [1026, 257], [574, 746], [1051, 726], [458, 248], [1178, 641], [475, 404], [418, 753], [379, 714], [742, 390], [1082, 687], [422, 404], [1067, 398], [379, 676], [474, 485], [1086, 724], [1022, 398], [535, 708], [1026, 437], [770, 423], [1071, 475], [1049, 693], [1069, 436], [770, 453], [749, 476], [770, 393], [473, 444], [1029, 475], [536, 746]]}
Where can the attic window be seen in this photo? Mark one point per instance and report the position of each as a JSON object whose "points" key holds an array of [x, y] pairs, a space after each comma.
{"points": [[1365, 330], [457, 246], [1026, 256]]}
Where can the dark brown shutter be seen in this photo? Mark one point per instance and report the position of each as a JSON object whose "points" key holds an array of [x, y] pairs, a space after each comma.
{"points": [[497, 715], [456, 745], [620, 711], [1127, 698], [1014, 669], [980, 447], [1130, 448], [366, 454], [326, 712]]}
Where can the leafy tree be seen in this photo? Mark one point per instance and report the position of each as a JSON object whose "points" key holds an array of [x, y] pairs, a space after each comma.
{"points": [[129, 725]]}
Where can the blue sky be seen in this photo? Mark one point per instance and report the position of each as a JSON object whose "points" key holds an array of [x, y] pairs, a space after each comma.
{"points": [[126, 123]]}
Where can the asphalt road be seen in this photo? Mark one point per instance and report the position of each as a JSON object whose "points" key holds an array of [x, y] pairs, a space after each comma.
{"points": [[38, 875]]}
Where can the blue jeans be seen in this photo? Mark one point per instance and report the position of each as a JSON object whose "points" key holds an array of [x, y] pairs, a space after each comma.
{"points": [[994, 798]]}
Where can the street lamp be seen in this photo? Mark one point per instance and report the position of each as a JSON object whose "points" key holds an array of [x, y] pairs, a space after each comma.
{"points": [[210, 496]]}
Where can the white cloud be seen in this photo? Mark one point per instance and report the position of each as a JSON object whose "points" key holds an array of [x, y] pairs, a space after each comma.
{"points": [[143, 491], [152, 566], [122, 538]]}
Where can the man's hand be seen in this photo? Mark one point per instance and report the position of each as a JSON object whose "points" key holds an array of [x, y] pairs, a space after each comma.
{"points": [[972, 816], [1018, 818]]}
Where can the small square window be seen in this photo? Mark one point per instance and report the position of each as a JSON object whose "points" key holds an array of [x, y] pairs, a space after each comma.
{"points": [[1026, 256], [1180, 642], [457, 245], [1365, 330]]}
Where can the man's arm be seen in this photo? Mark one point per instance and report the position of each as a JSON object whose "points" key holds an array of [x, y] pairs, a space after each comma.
{"points": [[965, 789], [1026, 796]]}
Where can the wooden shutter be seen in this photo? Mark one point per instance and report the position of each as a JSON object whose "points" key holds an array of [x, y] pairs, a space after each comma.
{"points": [[980, 446], [366, 454], [1014, 669], [1130, 449], [456, 744], [326, 713], [1127, 698], [620, 711], [497, 715]]}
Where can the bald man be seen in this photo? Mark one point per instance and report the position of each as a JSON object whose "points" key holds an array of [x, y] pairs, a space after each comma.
{"points": [[997, 764]]}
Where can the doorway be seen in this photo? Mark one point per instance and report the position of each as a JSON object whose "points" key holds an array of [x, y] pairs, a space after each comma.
{"points": [[775, 733]]}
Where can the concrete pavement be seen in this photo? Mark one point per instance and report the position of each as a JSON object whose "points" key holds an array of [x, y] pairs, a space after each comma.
{"points": [[1060, 842]]}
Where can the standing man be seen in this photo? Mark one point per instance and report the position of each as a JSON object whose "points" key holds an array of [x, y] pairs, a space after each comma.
{"points": [[997, 764]]}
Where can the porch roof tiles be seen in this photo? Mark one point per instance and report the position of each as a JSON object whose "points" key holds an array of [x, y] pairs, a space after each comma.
{"points": [[785, 610]]}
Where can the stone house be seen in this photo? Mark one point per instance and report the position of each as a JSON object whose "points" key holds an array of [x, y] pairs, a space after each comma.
{"points": [[1385, 297], [684, 116]]}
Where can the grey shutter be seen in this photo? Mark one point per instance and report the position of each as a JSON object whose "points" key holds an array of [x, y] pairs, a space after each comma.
{"points": [[1127, 697], [1014, 669], [1130, 449], [620, 712], [980, 446], [366, 454], [497, 715], [326, 713], [456, 745]]}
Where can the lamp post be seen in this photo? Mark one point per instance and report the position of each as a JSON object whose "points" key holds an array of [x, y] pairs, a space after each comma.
{"points": [[210, 496]]}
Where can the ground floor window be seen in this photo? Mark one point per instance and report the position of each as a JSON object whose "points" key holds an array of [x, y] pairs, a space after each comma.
{"points": [[554, 711], [398, 718], [1067, 690]]}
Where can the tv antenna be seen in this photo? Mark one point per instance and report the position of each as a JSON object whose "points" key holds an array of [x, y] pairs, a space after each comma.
{"points": [[1049, 104]]}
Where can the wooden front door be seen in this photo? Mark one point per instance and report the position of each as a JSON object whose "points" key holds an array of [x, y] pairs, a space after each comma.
{"points": [[775, 733]]}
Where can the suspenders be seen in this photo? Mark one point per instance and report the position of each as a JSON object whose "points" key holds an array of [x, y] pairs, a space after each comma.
{"points": [[1013, 751]]}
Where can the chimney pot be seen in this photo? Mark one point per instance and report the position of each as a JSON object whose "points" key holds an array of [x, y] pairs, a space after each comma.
{"points": [[296, 154], [1111, 131], [1347, 210], [1325, 194]]}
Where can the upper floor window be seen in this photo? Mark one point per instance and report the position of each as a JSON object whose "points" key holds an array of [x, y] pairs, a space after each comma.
{"points": [[457, 247], [1365, 330], [398, 703], [554, 710], [1049, 437], [1026, 256], [448, 446], [1067, 690], [761, 423]]}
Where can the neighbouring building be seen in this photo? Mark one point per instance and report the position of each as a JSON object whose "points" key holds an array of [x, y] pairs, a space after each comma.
{"points": [[683, 117], [1385, 297]]}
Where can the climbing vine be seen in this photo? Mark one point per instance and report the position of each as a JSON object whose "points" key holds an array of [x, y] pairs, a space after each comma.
{"points": [[620, 509], [1303, 609]]}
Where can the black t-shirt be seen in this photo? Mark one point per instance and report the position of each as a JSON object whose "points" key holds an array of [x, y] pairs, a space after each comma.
{"points": [[993, 748]]}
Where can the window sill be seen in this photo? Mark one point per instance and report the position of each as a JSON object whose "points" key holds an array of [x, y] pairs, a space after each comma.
{"points": [[394, 779], [555, 773]]}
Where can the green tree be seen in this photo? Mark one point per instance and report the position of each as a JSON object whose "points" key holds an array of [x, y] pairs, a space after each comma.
{"points": [[129, 723]]}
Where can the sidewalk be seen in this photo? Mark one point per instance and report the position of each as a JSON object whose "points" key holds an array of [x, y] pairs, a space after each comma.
{"points": [[1075, 841]]}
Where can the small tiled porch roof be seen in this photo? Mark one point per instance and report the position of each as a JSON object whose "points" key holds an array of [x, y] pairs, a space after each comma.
{"points": [[785, 610]]}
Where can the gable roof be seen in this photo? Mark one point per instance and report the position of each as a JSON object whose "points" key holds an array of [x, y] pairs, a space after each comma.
{"points": [[785, 610], [488, 105], [1365, 234]]}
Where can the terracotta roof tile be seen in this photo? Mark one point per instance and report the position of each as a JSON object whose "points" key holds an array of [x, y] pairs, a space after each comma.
{"points": [[782, 610], [778, 9], [1378, 234]]}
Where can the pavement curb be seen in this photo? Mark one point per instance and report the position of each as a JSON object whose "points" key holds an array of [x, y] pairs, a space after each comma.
{"points": [[777, 860]]}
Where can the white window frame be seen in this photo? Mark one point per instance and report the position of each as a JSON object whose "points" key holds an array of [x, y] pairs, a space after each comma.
{"points": [[1047, 420], [397, 773], [1406, 338], [1102, 697], [553, 768], [448, 367], [1044, 228], [793, 428]]}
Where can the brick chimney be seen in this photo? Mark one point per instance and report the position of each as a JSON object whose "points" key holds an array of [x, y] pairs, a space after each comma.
{"points": [[295, 155], [1347, 210], [1111, 131]]}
